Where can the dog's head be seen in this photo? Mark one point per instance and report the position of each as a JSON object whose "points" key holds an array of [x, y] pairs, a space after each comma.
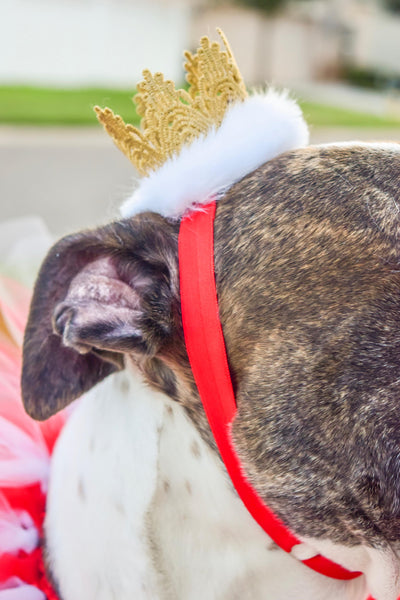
{"points": [[307, 255]]}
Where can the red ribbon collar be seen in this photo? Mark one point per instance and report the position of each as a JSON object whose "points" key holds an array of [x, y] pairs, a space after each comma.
{"points": [[206, 350]]}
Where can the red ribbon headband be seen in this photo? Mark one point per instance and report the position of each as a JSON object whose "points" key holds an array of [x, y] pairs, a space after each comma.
{"points": [[206, 350]]}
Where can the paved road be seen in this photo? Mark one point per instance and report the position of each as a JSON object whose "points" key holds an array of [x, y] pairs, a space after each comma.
{"points": [[76, 178], [72, 178]]}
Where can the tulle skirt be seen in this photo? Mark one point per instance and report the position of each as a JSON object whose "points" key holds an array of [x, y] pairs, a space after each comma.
{"points": [[25, 444]]}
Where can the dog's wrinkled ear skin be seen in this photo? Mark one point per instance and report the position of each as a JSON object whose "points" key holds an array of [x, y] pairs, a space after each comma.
{"points": [[99, 294]]}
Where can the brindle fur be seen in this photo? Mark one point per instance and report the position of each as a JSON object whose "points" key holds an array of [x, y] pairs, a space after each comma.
{"points": [[308, 273], [307, 266]]}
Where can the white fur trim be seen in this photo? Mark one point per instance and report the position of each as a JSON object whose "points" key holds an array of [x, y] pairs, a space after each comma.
{"points": [[252, 132]]}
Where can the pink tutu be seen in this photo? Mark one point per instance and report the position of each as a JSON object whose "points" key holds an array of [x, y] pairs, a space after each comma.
{"points": [[25, 450]]}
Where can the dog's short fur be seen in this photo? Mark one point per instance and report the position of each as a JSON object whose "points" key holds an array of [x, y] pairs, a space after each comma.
{"points": [[307, 259]]}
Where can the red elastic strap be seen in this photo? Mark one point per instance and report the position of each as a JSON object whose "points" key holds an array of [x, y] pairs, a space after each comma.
{"points": [[206, 350]]}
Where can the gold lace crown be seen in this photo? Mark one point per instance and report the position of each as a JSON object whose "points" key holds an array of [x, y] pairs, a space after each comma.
{"points": [[173, 118]]}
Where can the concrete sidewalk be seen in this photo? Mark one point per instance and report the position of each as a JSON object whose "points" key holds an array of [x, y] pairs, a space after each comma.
{"points": [[385, 103]]}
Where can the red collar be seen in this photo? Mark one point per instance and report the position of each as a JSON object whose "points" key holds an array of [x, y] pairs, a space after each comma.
{"points": [[206, 350]]}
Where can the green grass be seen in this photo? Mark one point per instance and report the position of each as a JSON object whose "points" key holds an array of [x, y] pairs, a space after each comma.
{"points": [[320, 115], [47, 106]]}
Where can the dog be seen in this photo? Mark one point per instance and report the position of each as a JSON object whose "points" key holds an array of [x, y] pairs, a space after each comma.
{"points": [[307, 270]]}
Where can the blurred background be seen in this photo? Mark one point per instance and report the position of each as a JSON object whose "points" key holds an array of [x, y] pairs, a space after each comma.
{"points": [[340, 58]]}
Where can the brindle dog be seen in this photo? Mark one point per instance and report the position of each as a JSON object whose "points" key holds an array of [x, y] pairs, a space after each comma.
{"points": [[307, 259]]}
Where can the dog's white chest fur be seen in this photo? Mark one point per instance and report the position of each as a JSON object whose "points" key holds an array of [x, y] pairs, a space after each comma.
{"points": [[139, 507]]}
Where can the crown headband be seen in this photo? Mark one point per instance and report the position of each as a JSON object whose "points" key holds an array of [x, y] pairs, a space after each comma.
{"points": [[196, 143], [172, 118]]}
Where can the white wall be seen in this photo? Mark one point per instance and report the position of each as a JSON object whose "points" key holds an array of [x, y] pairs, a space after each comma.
{"points": [[90, 42], [109, 42], [285, 50], [374, 34], [377, 42]]}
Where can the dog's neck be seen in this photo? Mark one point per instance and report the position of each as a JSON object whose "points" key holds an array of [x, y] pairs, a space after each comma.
{"points": [[155, 513]]}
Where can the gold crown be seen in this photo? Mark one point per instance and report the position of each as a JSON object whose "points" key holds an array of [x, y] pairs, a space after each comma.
{"points": [[172, 118]]}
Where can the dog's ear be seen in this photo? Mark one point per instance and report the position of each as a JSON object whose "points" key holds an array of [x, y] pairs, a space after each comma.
{"points": [[99, 294]]}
